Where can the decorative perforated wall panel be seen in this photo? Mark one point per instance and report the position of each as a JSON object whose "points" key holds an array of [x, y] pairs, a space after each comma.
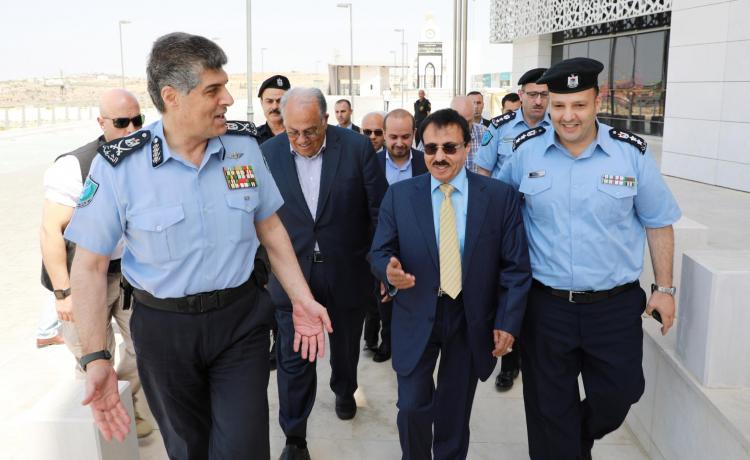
{"points": [[512, 19]]}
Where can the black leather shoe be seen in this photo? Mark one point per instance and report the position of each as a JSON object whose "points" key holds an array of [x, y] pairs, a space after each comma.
{"points": [[346, 407], [371, 347], [383, 354], [292, 452], [504, 380]]}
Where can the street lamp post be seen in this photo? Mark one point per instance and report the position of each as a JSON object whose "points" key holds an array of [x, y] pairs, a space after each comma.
{"points": [[403, 63], [351, 51], [249, 32], [122, 59]]}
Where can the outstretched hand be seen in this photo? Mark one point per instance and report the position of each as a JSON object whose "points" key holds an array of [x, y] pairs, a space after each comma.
{"points": [[103, 396], [310, 322], [397, 277]]}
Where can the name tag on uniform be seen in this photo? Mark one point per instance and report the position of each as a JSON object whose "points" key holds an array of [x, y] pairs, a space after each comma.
{"points": [[240, 177], [535, 174], [508, 139], [625, 181]]}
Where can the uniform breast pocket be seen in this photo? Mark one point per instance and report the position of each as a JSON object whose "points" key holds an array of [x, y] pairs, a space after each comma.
{"points": [[154, 234], [241, 215], [536, 195], [615, 202]]}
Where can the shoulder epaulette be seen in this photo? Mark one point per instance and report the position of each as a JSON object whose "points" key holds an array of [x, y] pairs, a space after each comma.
{"points": [[114, 151], [526, 135], [242, 128], [502, 119], [630, 138]]}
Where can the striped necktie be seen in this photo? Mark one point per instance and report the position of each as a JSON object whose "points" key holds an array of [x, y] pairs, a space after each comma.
{"points": [[450, 256]]}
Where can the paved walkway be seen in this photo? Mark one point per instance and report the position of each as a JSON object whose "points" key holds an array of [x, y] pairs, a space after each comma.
{"points": [[498, 427]]}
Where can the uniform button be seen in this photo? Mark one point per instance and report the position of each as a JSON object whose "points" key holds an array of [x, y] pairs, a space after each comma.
{"points": [[158, 228]]}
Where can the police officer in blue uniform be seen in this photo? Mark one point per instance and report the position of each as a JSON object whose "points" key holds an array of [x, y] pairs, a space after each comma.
{"points": [[498, 139], [191, 197], [592, 196]]}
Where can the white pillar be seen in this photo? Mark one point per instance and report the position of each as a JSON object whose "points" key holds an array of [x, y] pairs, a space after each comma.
{"points": [[530, 53]]}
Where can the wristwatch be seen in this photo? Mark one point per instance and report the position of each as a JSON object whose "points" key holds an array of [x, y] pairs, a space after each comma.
{"points": [[664, 290], [61, 293], [86, 359]]}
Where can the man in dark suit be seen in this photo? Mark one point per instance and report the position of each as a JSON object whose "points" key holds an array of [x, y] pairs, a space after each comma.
{"points": [[452, 247], [332, 188], [343, 111], [399, 161]]}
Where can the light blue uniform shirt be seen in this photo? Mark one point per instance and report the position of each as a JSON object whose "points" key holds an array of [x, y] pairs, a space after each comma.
{"points": [[497, 143], [459, 200], [585, 216], [395, 173], [185, 230]]}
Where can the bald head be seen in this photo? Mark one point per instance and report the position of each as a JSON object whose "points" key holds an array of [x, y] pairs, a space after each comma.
{"points": [[372, 127], [114, 104], [464, 106]]}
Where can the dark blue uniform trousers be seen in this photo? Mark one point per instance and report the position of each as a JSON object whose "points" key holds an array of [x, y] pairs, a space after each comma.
{"points": [[296, 377], [601, 341], [205, 377], [448, 407]]}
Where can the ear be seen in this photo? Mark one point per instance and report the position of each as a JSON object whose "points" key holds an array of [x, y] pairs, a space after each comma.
{"points": [[325, 118], [598, 102], [170, 96], [100, 120]]}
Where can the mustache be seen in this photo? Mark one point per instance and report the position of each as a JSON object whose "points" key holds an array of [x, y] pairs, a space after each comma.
{"points": [[440, 163], [275, 112]]}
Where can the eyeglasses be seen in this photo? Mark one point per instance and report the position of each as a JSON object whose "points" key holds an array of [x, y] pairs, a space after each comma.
{"points": [[124, 122], [448, 148], [309, 133], [536, 94], [370, 132]]}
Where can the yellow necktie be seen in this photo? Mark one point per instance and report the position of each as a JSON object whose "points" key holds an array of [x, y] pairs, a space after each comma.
{"points": [[450, 256]]}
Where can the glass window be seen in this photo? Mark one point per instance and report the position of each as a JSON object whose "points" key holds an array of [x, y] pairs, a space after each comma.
{"points": [[623, 62], [557, 54], [578, 50], [599, 50]]}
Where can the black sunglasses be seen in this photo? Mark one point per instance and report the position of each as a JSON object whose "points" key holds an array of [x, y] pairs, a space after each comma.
{"points": [[123, 122], [448, 148], [369, 132]]}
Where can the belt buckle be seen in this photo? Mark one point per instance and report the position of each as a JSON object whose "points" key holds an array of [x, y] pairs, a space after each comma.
{"points": [[317, 257], [208, 301], [571, 294], [440, 292]]}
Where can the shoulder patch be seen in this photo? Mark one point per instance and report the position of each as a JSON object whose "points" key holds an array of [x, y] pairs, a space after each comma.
{"points": [[630, 138], [116, 150], [157, 153], [502, 119], [87, 194], [486, 137], [526, 135], [242, 128]]}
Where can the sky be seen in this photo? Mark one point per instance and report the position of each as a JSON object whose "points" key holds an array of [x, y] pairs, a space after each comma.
{"points": [[45, 37]]}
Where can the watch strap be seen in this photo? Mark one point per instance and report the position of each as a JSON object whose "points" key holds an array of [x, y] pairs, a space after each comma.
{"points": [[101, 354], [664, 290], [61, 293]]}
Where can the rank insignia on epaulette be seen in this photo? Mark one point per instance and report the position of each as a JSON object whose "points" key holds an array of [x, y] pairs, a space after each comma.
{"points": [[502, 119], [486, 138], [526, 135], [239, 177], [246, 128], [87, 194], [116, 150], [157, 153], [627, 136], [626, 181]]}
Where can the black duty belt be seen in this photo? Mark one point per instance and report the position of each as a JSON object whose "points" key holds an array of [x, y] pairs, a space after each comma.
{"points": [[196, 303], [585, 296], [114, 266]]}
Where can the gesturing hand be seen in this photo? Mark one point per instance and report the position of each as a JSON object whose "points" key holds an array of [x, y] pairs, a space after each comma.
{"points": [[104, 397], [310, 320], [397, 276]]}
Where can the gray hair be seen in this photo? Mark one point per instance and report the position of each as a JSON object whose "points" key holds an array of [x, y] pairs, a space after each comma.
{"points": [[177, 60], [305, 95]]}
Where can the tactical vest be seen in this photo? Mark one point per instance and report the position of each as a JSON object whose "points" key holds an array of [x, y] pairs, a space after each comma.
{"points": [[85, 156]]}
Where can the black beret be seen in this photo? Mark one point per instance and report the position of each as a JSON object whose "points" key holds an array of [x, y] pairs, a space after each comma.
{"points": [[277, 81], [531, 76], [572, 75]]}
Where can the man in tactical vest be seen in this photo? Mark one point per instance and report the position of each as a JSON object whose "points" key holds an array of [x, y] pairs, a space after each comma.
{"points": [[119, 115]]}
